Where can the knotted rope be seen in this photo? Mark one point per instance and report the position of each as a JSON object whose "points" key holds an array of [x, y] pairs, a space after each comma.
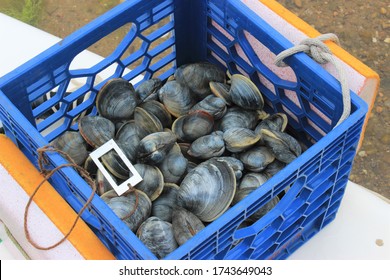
{"points": [[47, 174], [320, 52]]}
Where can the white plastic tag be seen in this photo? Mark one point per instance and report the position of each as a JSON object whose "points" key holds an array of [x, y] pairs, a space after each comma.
{"points": [[105, 148]]}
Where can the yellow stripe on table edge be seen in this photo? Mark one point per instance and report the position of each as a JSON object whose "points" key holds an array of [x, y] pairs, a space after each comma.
{"points": [[50, 202]]}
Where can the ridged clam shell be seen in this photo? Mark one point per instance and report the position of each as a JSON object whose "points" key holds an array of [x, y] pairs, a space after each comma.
{"points": [[239, 139], [158, 236], [148, 90], [116, 100], [207, 146], [153, 180], [213, 105], [174, 165], [197, 77], [285, 147], [177, 98], [207, 190], [73, 144], [158, 109], [185, 225], [256, 158], [193, 125], [245, 93], [96, 130], [130, 209], [153, 148], [163, 206]]}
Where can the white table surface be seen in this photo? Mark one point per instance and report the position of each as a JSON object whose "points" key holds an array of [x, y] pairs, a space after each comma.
{"points": [[361, 229]]}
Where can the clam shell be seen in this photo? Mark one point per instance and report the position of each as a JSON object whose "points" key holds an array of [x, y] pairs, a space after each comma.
{"points": [[174, 165], [127, 137], [234, 163], [185, 225], [252, 180], [274, 167], [96, 130], [207, 190], [116, 100], [213, 105], [256, 158], [176, 98], [239, 139], [73, 144], [90, 166], [276, 121], [148, 90], [163, 206], [158, 236], [285, 147], [207, 146], [132, 208], [245, 93], [193, 125], [197, 77], [153, 148], [147, 123], [221, 90], [115, 165], [153, 180], [102, 185], [158, 109], [242, 193], [237, 117]]}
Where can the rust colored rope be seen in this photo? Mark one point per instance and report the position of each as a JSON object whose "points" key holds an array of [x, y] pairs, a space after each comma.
{"points": [[47, 174]]}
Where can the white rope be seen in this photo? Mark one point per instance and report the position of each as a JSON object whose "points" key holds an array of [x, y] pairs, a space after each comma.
{"points": [[320, 52]]}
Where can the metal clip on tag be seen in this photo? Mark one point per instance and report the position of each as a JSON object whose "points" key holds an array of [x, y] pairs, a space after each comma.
{"points": [[102, 150]]}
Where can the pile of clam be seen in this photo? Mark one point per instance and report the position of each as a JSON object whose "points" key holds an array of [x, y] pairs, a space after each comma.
{"points": [[200, 141]]}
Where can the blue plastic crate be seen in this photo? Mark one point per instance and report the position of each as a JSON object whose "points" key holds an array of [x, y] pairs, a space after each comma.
{"points": [[221, 32]]}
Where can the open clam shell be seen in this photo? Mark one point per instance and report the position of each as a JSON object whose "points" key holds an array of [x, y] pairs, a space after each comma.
{"points": [[207, 190]]}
